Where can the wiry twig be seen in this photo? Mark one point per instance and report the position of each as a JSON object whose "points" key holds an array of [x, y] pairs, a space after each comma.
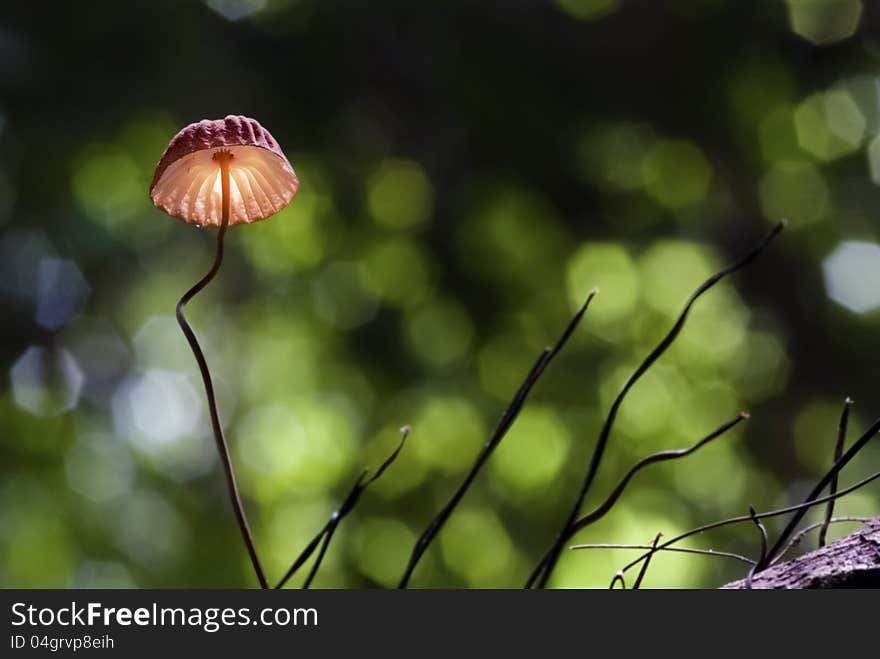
{"points": [[838, 451], [618, 578], [500, 431], [797, 537], [681, 550], [647, 562], [348, 504], [763, 555], [542, 572], [747, 518], [839, 464], [662, 456], [853, 561]]}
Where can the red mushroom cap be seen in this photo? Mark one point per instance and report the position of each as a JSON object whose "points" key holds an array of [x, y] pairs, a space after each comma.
{"points": [[187, 179]]}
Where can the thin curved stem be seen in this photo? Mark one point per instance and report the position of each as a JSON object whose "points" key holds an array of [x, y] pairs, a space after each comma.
{"points": [[606, 506], [838, 452], [647, 562], [327, 531], [681, 550], [504, 424], [763, 533], [541, 574], [748, 518], [826, 480], [824, 524], [223, 159]]}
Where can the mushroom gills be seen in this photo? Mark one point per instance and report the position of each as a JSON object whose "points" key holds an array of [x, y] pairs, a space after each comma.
{"points": [[190, 186]]}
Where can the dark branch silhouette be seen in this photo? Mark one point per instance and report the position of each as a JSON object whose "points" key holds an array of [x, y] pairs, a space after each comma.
{"points": [[681, 550], [838, 451], [647, 562], [763, 532], [797, 537], [748, 518], [860, 443], [500, 431], [724, 554], [348, 504], [545, 567], [662, 456]]}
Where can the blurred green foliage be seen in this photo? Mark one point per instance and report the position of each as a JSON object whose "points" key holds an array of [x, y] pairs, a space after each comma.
{"points": [[469, 171]]}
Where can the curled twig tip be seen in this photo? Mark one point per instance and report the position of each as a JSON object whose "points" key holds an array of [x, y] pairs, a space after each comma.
{"points": [[745, 415], [849, 401], [594, 291]]}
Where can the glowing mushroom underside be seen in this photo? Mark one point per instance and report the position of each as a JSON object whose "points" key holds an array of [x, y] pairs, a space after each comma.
{"points": [[187, 181]]}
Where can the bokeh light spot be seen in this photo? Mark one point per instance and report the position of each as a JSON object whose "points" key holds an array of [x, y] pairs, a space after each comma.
{"points": [[134, 522], [829, 125], [61, 292], [670, 270], [450, 432], [295, 239], [159, 344], [476, 547], [99, 467], [399, 194], [824, 22], [102, 355], [305, 448], [46, 381], [649, 405], [676, 174], [609, 267], [397, 271], [874, 159], [534, 451], [794, 190], [852, 276], [157, 407], [162, 416], [382, 545], [107, 186]]}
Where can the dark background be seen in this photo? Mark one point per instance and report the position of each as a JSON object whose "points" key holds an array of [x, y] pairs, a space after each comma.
{"points": [[469, 170]]}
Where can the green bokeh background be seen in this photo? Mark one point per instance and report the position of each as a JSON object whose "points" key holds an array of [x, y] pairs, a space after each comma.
{"points": [[469, 171]]}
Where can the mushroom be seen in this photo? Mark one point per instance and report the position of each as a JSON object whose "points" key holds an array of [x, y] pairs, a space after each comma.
{"points": [[219, 173]]}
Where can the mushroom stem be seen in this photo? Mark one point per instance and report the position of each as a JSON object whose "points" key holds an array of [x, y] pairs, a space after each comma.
{"points": [[222, 158]]}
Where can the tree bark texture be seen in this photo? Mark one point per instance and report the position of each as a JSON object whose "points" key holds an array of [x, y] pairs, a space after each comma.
{"points": [[851, 562]]}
